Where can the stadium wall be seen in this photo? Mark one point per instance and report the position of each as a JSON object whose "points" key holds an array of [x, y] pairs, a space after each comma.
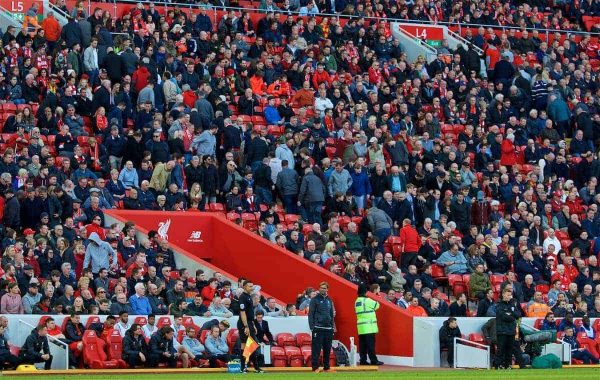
{"points": [[282, 274]]}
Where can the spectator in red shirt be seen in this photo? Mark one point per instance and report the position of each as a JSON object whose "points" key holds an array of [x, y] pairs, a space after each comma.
{"points": [[410, 244], [209, 291]]}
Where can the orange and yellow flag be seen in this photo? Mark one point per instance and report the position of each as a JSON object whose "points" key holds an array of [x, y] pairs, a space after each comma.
{"points": [[251, 346]]}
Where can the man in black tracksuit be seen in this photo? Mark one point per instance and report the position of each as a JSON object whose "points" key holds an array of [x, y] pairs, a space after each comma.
{"points": [[507, 314], [36, 348], [321, 323]]}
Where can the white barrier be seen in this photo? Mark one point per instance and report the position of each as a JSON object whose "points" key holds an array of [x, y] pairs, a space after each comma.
{"points": [[469, 354]]}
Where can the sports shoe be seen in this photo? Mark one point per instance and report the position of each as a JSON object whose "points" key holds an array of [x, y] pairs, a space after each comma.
{"points": [[318, 370], [259, 370], [329, 370], [377, 363]]}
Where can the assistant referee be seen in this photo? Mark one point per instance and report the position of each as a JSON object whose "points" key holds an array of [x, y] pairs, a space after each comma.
{"points": [[320, 321], [246, 327]]}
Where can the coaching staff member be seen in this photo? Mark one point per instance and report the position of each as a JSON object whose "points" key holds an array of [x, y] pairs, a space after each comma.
{"points": [[320, 321], [246, 326], [507, 314]]}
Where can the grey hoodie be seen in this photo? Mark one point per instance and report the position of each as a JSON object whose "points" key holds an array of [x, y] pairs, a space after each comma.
{"points": [[97, 252]]}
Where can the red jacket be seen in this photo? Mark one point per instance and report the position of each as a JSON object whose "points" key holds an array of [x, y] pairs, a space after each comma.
{"points": [[140, 78], [411, 241], [321, 77], [509, 156], [208, 294]]}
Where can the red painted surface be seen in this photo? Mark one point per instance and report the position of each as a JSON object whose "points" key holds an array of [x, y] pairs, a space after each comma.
{"points": [[424, 32], [280, 273]]}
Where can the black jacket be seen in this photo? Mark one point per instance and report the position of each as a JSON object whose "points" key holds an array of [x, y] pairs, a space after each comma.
{"points": [[160, 344], [448, 334], [34, 344], [263, 331], [320, 314], [507, 314], [74, 333], [132, 346]]}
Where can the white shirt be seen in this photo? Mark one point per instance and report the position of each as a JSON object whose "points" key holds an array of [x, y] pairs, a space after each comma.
{"points": [[149, 330], [554, 241], [122, 328]]}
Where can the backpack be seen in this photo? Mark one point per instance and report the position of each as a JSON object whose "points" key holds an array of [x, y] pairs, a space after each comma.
{"points": [[342, 357]]}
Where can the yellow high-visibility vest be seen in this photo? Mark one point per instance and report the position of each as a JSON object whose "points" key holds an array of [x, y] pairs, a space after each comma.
{"points": [[366, 319]]}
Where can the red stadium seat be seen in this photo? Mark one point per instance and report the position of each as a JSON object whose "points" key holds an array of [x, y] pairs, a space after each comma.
{"points": [[140, 320], [94, 355], [477, 338], [249, 221], [232, 336], [285, 339], [203, 335], [294, 356], [115, 348], [303, 339], [306, 354], [163, 321], [91, 319], [278, 357]]}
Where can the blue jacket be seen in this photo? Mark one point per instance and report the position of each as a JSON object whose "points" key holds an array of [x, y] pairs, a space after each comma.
{"points": [[129, 177], [216, 346], [360, 183], [140, 305], [272, 115]]}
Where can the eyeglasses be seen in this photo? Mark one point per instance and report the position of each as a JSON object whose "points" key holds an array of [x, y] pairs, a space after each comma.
{"points": [[101, 291]]}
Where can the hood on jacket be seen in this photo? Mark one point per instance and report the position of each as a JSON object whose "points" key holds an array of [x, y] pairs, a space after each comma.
{"points": [[95, 238]]}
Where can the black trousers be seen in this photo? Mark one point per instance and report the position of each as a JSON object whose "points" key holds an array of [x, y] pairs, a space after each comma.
{"points": [[321, 340], [243, 338], [155, 360], [212, 359], [408, 258], [366, 347], [31, 360], [134, 361], [9, 361], [450, 348], [504, 350]]}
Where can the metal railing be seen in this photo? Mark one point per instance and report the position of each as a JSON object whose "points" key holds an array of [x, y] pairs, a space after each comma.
{"points": [[54, 340], [459, 25], [59, 14]]}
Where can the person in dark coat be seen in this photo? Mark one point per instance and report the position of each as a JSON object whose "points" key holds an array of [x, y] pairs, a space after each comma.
{"points": [[447, 333], [135, 348], [12, 211], [7, 360], [71, 33], [263, 333], [114, 65], [36, 348], [74, 334], [507, 313], [161, 348], [134, 149], [102, 97]]}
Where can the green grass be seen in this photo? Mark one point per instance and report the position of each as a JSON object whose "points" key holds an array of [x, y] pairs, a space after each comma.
{"points": [[526, 374]]}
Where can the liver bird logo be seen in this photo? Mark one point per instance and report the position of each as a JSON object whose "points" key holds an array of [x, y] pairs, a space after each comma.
{"points": [[163, 229]]}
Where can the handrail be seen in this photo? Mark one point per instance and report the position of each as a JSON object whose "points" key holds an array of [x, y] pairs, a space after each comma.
{"points": [[61, 16], [55, 341], [341, 16], [462, 40]]}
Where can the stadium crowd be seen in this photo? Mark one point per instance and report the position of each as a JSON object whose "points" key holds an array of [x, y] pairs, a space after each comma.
{"points": [[318, 134]]}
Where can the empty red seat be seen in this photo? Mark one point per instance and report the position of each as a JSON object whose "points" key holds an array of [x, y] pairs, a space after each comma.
{"points": [[249, 221], [94, 355], [278, 358], [232, 336], [216, 207], [203, 335], [303, 339], [306, 354], [115, 348], [285, 339], [294, 356]]}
